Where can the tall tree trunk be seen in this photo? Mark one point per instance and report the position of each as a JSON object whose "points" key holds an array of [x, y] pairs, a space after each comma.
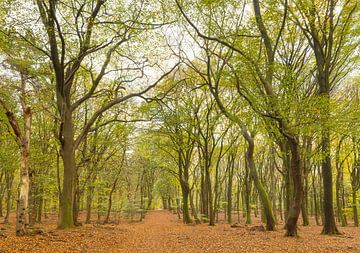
{"points": [[32, 204], [337, 185], [89, 198], [100, 199], [45, 205], [229, 191], [247, 193], [1, 205], [325, 48], [316, 205], [149, 203], [2, 191], [9, 178], [194, 211], [287, 179], [281, 192], [22, 207], [264, 198], [329, 219], [169, 203], [355, 179], [113, 187], [320, 197], [307, 168], [66, 219], [185, 188], [204, 196], [355, 210], [298, 191], [40, 208], [23, 140], [164, 202], [209, 196], [238, 196], [185, 204], [178, 207], [304, 205], [76, 201], [339, 191], [273, 182]]}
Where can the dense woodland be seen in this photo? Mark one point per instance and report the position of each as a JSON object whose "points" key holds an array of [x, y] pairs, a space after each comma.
{"points": [[220, 111]]}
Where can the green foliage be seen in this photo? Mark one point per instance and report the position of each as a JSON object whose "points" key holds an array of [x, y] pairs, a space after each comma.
{"points": [[152, 146]]}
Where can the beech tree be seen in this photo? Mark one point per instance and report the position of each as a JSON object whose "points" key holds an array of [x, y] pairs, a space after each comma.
{"points": [[328, 32]]}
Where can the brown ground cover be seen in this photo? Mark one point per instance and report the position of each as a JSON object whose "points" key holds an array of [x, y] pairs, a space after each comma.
{"points": [[161, 231]]}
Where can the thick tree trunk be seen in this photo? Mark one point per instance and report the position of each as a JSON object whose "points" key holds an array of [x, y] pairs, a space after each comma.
{"points": [[326, 56], [22, 137], [185, 203], [185, 207], [329, 219], [298, 191], [22, 207], [23, 200], [66, 219]]}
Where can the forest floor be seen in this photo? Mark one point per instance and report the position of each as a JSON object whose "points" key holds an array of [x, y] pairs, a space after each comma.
{"points": [[161, 231]]}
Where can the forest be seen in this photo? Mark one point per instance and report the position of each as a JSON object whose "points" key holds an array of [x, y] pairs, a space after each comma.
{"points": [[179, 126]]}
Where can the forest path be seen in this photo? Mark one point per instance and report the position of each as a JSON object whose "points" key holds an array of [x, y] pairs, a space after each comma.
{"points": [[161, 232]]}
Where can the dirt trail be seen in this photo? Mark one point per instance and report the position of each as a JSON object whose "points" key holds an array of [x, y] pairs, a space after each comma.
{"points": [[161, 231]]}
